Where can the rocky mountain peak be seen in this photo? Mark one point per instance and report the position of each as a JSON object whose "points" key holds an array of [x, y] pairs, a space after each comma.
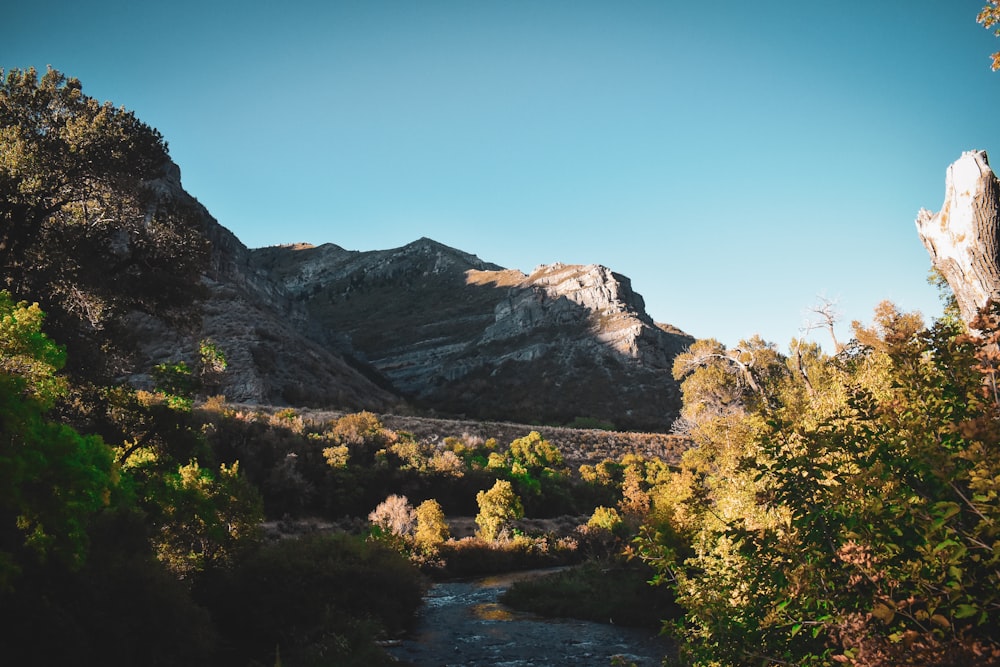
{"points": [[322, 325], [592, 286], [464, 336], [443, 258]]}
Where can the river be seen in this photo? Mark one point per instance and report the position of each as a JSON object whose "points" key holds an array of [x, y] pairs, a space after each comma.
{"points": [[463, 625]]}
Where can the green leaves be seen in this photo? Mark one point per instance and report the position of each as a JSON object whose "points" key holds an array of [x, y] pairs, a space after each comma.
{"points": [[52, 479], [27, 356], [81, 230]]}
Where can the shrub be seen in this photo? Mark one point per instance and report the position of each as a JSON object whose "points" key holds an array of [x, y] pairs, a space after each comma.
{"points": [[498, 507], [329, 595], [432, 529], [394, 515]]}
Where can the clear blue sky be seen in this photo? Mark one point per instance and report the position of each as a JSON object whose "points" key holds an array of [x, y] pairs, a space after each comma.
{"points": [[735, 160]]}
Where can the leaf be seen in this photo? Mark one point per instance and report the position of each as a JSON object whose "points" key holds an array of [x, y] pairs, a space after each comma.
{"points": [[883, 613], [966, 610], [944, 545]]}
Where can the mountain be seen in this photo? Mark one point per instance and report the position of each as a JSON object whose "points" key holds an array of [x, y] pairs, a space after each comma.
{"points": [[464, 337], [262, 331], [423, 326]]}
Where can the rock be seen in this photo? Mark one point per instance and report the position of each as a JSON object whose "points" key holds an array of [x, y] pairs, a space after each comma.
{"points": [[465, 337], [322, 326], [963, 238], [262, 331]]}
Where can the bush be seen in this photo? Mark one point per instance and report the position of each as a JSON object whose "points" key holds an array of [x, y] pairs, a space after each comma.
{"points": [[472, 556], [432, 529], [498, 507], [333, 595]]}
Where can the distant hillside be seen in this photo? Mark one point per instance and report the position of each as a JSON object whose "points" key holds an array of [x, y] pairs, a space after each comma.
{"points": [[425, 324], [463, 337]]}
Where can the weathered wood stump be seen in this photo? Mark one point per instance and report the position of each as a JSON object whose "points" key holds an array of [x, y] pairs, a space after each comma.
{"points": [[963, 238]]}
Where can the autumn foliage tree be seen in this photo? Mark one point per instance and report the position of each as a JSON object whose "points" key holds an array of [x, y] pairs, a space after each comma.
{"points": [[848, 513], [990, 18], [498, 508]]}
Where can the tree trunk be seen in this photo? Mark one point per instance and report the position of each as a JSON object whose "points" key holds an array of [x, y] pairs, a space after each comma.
{"points": [[963, 238]]}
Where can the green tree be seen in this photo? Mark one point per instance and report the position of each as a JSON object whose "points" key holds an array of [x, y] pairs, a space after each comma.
{"points": [[605, 518], [535, 456], [211, 365], [498, 509], [176, 380], [52, 479], [206, 519], [82, 229]]}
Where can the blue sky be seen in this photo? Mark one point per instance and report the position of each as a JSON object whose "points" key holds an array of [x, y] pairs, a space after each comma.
{"points": [[735, 160]]}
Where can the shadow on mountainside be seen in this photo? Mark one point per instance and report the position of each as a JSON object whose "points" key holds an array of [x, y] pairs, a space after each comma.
{"points": [[463, 338]]}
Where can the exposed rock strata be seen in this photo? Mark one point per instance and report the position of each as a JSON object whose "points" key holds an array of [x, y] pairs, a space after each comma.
{"points": [[328, 327], [463, 336], [262, 331]]}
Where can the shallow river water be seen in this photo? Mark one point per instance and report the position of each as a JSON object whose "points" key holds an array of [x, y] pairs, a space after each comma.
{"points": [[462, 625]]}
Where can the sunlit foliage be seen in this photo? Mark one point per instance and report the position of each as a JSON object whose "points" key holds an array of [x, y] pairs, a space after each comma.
{"points": [[52, 479], [498, 508], [839, 509], [432, 528], [990, 18]]}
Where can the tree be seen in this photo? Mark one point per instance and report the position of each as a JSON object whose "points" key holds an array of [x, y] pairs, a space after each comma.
{"points": [[858, 521], [990, 17], [206, 519], [498, 508], [432, 529], [824, 315], [66, 156], [533, 455], [82, 229], [394, 516], [211, 365], [963, 238], [605, 518], [52, 479]]}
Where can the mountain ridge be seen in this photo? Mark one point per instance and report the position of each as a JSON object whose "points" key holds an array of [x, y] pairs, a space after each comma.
{"points": [[449, 330], [422, 325]]}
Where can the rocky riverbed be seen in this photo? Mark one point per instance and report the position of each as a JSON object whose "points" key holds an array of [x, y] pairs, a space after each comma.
{"points": [[462, 624]]}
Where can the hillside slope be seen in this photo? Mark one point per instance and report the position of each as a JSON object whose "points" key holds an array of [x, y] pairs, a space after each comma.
{"points": [[464, 337]]}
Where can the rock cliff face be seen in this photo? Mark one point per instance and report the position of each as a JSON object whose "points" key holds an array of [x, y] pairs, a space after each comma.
{"points": [[465, 337], [426, 324], [261, 330]]}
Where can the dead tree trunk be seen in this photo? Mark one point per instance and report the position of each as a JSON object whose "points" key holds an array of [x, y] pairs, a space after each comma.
{"points": [[963, 238]]}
